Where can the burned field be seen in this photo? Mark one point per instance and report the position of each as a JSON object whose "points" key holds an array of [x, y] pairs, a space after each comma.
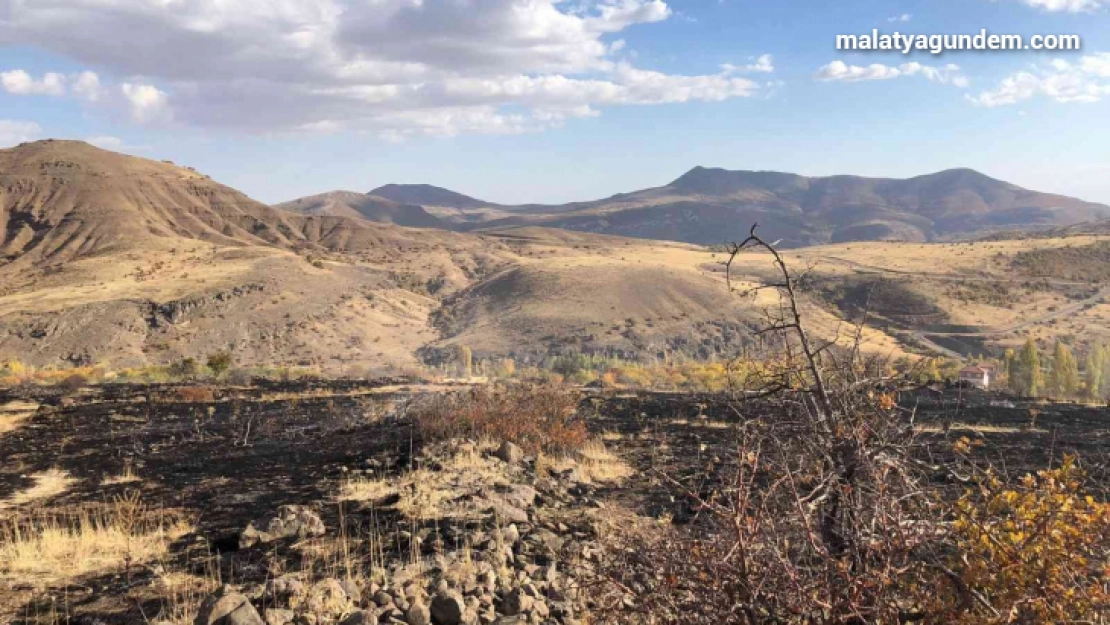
{"points": [[211, 461]]}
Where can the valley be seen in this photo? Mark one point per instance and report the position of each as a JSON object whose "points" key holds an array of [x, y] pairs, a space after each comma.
{"points": [[123, 262]]}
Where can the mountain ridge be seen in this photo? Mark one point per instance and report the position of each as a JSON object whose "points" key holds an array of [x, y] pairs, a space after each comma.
{"points": [[705, 203]]}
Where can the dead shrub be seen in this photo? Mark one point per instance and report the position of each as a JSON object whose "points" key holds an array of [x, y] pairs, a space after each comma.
{"points": [[538, 418], [194, 395], [826, 515], [73, 383]]}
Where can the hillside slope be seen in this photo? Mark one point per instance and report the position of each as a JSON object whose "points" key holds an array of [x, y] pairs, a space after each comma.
{"points": [[125, 261], [708, 206], [363, 206]]}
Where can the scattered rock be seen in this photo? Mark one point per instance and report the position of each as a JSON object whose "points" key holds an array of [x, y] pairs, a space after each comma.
{"points": [[227, 607], [517, 602], [361, 617], [418, 614], [510, 453], [276, 616], [289, 521], [448, 608]]}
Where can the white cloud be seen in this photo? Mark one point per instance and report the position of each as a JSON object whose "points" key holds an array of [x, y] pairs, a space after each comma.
{"points": [[1085, 82], [903, 18], [839, 71], [147, 102], [1096, 64], [14, 132], [87, 86], [763, 64], [1069, 6], [19, 82], [406, 65]]}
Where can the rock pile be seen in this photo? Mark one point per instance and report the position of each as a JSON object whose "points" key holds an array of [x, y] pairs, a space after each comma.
{"points": [[519, 562]]}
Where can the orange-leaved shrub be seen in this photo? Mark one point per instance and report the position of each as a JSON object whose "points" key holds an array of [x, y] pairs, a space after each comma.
{"points": [[536, 417]]}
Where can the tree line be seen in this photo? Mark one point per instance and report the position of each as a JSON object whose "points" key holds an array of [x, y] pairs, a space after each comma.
{"points": [[1031, 374]]}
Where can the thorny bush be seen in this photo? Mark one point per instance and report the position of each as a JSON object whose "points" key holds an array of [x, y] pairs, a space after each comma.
{"points": [[825, 514]]}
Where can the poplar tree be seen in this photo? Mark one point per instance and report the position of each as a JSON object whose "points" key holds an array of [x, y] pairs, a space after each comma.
{"points": [[1096, 360], [1064, 376], [1025, 376]]}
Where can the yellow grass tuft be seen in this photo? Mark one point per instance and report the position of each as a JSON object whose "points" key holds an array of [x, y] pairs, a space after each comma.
{"points": [[364, 489], [126, 477], [595, 464], [53, 549]]}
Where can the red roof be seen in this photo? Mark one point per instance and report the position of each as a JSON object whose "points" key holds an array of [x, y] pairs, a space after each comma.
{"points": [[973, 369]]}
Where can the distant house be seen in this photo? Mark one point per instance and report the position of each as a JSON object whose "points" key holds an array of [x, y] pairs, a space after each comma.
{"points": [[977, 375]]}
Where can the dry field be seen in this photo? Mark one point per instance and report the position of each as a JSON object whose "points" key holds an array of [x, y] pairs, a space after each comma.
{"points": [[130, 503]]}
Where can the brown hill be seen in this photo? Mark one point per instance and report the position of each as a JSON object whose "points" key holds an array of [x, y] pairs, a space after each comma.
{"points": [[63, 200], [125, 261], [364, 206], [429, 195], [708, 206]]}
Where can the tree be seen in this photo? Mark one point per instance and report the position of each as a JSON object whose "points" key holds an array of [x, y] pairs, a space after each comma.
{"points": [[466, 361], [932, 373], [1009, 366], [1025, 371], [220, 362], [1104, 383], [1064, 376], [1096, 360]]}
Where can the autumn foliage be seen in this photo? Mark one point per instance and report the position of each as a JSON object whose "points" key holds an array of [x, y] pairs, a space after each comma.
{"points": [[1037, 551]]}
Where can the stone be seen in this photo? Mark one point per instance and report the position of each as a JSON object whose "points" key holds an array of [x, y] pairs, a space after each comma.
{"points": [[506, 512], [276, 616], [288, 522], [516, 602], [352, 590], [510, 453], [227, 607], [520, 496], [448, 608], [361, 617], [383, 598], [286, 586], [327, 597], [418, 614]]}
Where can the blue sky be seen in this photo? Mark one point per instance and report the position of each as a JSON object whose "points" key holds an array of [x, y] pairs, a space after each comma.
{"points": [[535, 101]]}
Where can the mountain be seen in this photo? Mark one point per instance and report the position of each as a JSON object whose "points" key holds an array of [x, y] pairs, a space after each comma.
{"points": [[124, 261], [428, 195], [709, 206], [365, 206]]}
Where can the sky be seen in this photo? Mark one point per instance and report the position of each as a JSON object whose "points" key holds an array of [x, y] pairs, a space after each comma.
{"points": [[517, 101]]}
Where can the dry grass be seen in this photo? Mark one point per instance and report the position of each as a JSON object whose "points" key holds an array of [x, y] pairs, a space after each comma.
{"points": [[183, 594], [365, 489], [55, 548], [13, 414], [50, 483], [425, 494], [979, 428], [127, 476], [594, 463]]}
